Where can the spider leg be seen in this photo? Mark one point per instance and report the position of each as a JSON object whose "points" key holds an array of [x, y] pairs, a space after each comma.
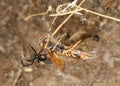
{"points": [[39, 60], [33, 48], [29, 61], [40, 52]]}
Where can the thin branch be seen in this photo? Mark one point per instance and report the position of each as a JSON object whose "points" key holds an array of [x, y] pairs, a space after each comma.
{"points": [[38, 14], [80, 9], [102, 15], [62, 14], [17, 77], [58, 28]]}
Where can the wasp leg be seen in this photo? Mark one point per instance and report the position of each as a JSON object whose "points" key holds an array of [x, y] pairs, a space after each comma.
{"points": [[48, 40], [57, 43], [40, 52], [33, 48], [72, 47]]}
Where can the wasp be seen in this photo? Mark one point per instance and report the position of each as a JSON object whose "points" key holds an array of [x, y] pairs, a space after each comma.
{"points": [[37, 56], [55, 49]]}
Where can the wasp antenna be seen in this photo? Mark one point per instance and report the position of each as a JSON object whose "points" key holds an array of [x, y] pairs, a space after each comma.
{"points": [[33, 48]]}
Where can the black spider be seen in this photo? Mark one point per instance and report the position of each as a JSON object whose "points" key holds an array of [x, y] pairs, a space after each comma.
{"points": [[38, 56]]}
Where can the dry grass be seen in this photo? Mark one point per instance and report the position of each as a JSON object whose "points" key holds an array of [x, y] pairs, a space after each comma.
{"points": [[78, 23]]}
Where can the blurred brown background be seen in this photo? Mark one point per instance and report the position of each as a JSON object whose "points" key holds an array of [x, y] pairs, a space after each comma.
{"points": [[15, 34]]}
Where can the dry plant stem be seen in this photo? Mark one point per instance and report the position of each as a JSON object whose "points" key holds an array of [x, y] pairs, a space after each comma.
{"points": [[109, 17], [27, 18], [62, 14], [67, 19], [33, 15], [80, 9], [17, 77]]}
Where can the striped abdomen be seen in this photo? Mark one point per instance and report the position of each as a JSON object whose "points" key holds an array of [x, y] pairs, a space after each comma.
{"points": [[75, 54]]}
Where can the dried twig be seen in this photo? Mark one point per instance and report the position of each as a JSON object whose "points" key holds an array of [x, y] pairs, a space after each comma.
{"points": [[83, 9], [33, 15], [58, 28], [17, 77]]}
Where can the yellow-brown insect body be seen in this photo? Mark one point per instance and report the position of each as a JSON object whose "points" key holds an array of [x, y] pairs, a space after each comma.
{"points": [[57, 60], [55, 49], [61, 50]]}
